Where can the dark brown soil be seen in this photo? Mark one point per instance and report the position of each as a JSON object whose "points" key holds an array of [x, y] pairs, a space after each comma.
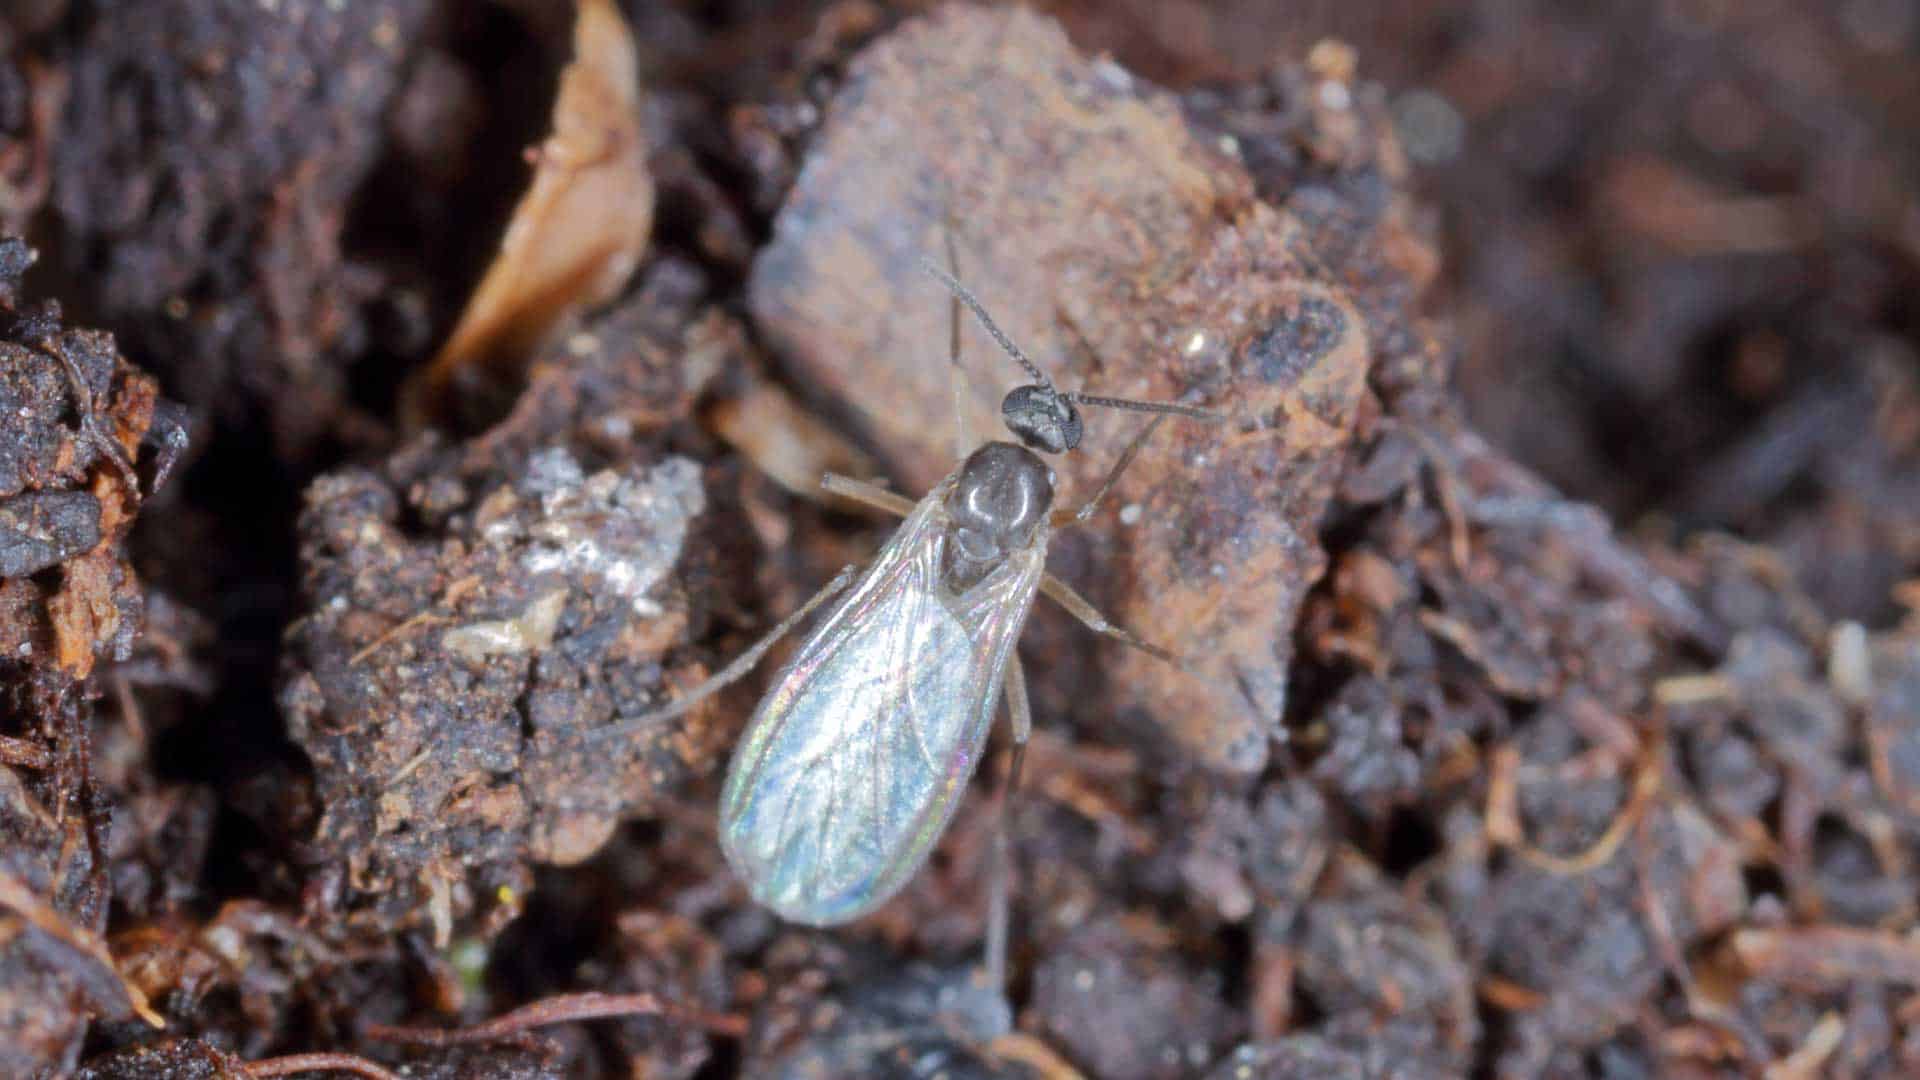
{"points": [[1549, 602]]}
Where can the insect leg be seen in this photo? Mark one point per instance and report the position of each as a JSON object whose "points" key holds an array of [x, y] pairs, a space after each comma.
{"points": [[732, 673], [1062, 518], [1078, 607], [998, 882], [871, 494]]}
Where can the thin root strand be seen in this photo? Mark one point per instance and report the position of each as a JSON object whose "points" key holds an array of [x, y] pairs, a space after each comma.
{"points": [[563, 1009]]}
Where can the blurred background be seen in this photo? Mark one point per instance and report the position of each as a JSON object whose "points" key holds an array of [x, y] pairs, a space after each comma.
{"points": [[1681, 244]]}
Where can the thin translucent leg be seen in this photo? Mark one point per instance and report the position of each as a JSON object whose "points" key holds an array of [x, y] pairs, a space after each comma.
{"points": [[1078, 607], [999, 877], [871, 494], [1064, 519], [733, 672]]}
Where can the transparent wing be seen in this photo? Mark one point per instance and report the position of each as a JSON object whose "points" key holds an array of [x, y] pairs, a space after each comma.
{"points": [[858, 754]]}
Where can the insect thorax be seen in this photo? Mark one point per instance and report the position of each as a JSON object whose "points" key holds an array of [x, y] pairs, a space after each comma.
{"points": [[1001, 494]]}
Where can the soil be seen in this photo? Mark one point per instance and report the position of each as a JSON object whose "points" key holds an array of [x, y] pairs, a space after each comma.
{"points": [[1546, 602]]}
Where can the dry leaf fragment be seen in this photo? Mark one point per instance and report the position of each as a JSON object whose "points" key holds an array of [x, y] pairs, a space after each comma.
{"points": [[576, 234]]}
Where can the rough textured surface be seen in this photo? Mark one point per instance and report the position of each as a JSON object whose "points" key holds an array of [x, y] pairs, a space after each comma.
{"points": [[181, 1059], [1714, 263], [76, 416], [245, 127], [478, 611], [1173, 1021], [48, 908], [913, 1024], [46, 528]]}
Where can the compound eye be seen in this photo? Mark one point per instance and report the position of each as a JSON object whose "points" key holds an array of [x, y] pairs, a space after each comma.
{"points": [[1041, 418]]}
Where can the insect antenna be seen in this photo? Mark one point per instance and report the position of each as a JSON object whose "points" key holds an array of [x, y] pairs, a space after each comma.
{"points": [[1167, 407], [961, 443], [993, 329], [1041, 416]]}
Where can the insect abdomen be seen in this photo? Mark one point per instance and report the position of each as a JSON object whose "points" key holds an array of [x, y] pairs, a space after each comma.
{"points": [[854, 761]]}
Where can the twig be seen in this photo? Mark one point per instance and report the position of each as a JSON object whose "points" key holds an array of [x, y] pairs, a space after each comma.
{"points": [[299, 1063], [1509, 996], [1503, 817], [421, 618], [89, 412], [1701, 1007], [565, 1008], [1448, 483], [25, 753], [130, 715], [449, 596], [1677, 690], [1827, 956], [1808, 1061]]}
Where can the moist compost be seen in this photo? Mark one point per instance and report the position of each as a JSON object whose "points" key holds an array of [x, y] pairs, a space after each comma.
{"points": [[394, 394]]}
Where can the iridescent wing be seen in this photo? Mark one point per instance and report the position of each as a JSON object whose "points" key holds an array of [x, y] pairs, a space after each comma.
{"points": [[858, 754]]}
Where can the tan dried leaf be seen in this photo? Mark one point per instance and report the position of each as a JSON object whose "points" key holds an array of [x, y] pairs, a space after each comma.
{"points": [[578, 232]]}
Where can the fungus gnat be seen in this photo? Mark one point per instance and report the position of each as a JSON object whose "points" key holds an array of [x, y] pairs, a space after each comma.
{"points": [[856, 758]]}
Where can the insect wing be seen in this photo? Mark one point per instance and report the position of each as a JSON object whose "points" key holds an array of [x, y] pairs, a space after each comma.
{"points": [[858, 754]]}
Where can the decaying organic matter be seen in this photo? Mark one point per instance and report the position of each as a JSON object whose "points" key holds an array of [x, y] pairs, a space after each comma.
{"points": [[1548, 605], [218, 146], [477, 610], [77, 414]]}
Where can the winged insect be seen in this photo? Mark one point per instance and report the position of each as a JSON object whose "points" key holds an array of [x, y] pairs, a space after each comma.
{"points": [[856, 758]]}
